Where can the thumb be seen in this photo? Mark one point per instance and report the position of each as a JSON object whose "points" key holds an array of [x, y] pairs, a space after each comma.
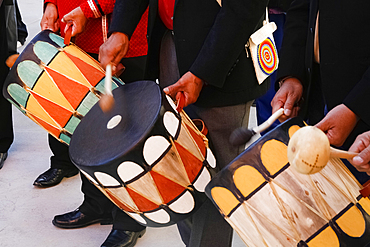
{"points": [[288, 106], [363, 157]]}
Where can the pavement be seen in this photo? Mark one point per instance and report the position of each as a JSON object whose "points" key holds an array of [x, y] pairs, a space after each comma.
{"points": [[27, 211]]}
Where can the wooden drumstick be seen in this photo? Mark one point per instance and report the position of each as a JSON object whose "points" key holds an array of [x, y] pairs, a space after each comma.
{"points": [[106, 102], [242, 135], [11, 60], [309, 150]]}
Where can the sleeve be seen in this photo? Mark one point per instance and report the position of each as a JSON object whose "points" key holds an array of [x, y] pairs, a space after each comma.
{"points": [[126, 15], [292, 54], [233, 25], [358, 99], [97, 8]]}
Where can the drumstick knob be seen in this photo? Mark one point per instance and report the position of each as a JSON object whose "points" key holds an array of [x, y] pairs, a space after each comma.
{"points": [[242, 135], [309, 150], [11, 60]]}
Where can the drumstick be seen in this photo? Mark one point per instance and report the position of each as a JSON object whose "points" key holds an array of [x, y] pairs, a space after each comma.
{"points": [[242, 135], [309, 150], [106, 102]]}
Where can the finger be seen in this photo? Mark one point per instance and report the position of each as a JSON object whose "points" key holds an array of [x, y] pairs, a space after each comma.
{"points": [[365, 155]]}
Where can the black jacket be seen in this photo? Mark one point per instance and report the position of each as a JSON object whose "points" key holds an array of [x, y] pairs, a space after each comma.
{"points": [[209, 43], [343, 75]]}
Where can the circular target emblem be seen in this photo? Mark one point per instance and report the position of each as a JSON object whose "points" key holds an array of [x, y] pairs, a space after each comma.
{"points": [[267, 56]]}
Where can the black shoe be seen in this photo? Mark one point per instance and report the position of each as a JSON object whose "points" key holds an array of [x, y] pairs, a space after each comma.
{"points": [[117, 238], [53, 176], [3, 157], [77, 219]]}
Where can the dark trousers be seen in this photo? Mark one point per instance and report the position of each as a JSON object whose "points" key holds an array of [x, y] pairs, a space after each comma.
{"points": [[6, 123]]}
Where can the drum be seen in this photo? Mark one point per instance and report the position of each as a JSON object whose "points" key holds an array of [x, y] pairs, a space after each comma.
{"points": [[268, 203], [147, 158], [55, 85]]}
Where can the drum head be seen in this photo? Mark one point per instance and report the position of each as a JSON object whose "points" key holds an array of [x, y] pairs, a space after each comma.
{"points": [[103, 137]]}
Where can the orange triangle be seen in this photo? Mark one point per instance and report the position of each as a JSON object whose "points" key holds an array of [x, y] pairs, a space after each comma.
{"points": [[169, 190], [193, 166], [73, 91], [58, 113], [141, 202], [92, 74], [118, 202], [199, 140], [51, 129]]}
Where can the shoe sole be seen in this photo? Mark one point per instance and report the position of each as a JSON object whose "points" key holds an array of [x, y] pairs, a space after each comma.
{"points": [[140, 235], [102, 222]]}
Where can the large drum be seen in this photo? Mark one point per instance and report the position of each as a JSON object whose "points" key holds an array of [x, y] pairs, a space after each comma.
{"points": [[147, 158], [268, 203], [55, 85]]}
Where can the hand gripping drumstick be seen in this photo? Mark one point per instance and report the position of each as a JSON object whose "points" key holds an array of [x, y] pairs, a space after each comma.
{"points": [[309, 150], [242, 135], [106, 102]]}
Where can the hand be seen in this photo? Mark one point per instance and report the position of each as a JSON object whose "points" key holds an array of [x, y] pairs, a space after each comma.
{"points": [[287, 97], [338, 124], [189, 84], [362, 146], [50, 19], [113, 50], [76, 19]]}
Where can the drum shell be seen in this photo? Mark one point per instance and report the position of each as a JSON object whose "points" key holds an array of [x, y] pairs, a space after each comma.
{"points": [[55, 85], [270, 204], [127, 192]]}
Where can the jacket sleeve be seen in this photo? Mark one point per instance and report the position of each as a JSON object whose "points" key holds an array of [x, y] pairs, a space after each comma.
{"points": [[97, 8], [127, 15], [234, 23], [293, 49], [358, 99]]}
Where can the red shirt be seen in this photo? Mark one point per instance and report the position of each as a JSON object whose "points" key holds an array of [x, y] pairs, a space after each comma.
{"points": [[166, 9], [95, 34]]}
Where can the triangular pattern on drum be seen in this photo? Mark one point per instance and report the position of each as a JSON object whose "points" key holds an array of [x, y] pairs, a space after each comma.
{"points": [[34, 107], [49, 90], [64, 66], [168, 189], [146, 187], [58, 113], [193, 166], [171, 167], [186, 140], [73, 91], [141, 202], [78, 52], [92, 74], [121, 197], [49, 128], [198, 139]]}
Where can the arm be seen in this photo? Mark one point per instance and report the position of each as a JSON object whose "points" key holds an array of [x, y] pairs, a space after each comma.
{"points": [[232, 27], [292, 61], [126, 16], [78, 17]]}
